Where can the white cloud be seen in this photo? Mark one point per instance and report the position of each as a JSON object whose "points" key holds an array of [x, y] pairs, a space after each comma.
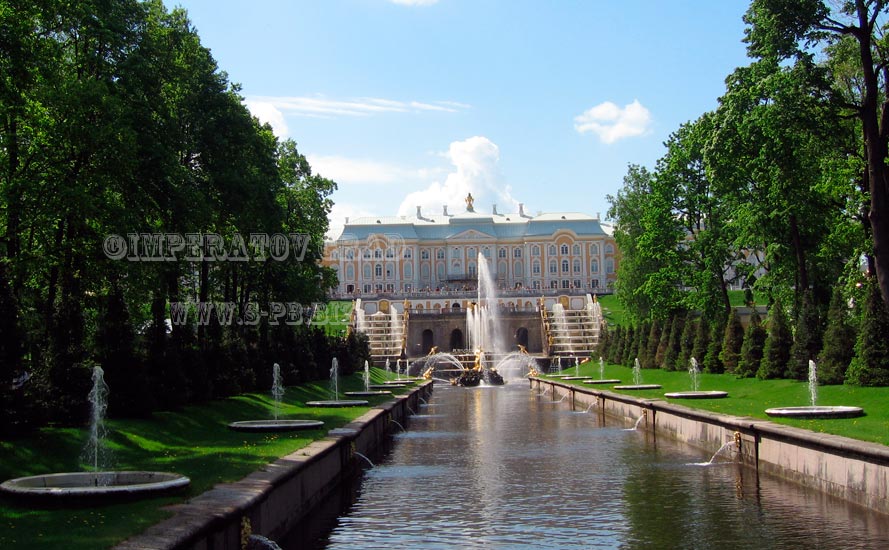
{"points": [[476, 170], [414, 2], [324, 107], [267, 113], [611, 123]]}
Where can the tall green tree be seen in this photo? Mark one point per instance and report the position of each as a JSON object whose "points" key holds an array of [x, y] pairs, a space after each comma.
{"points": [[752, 348], [776, 352]]}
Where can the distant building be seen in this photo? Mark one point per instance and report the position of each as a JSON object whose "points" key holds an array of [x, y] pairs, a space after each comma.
{"points": [[432, 260]]}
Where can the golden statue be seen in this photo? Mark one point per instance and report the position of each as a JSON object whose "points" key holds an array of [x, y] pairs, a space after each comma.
{"points": [[428, 374], [478, 360], [433, 350], [469, 201], [533, 372], [522, 349]]}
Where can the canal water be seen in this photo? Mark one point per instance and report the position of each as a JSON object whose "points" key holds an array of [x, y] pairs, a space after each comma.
{"points": [[504, 467]]}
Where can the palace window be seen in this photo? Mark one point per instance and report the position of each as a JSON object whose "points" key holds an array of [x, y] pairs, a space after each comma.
{"points": [[554, 284], [390, 253], [577, 283], [366, 253], [424, 271], [566, 284], [577, 266], [564, 250], [487, 252], [609, 266], [535, 250], [470, 253], [350, 272], [424, 254], [367, 289], [594, 266], [335, 255], [594, 250], [516, 252], [565, 266], [367, 271], [609, 248], [553, 266], [594, 283], [551, 250], [439, 254], [455, 253], [472, 269], [350, 254], [535, 268], [408, 254], [378, 253], [378, 270], [501, 253]]}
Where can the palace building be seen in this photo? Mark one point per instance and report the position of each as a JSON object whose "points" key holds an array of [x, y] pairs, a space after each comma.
{"points": [[430, 263]]}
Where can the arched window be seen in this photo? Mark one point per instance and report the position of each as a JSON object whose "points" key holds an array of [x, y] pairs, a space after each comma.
{"points": [[551, 250], [350, 254], [471, 253], [471, 269], [535, 268], [594, 250], [609, 248], [335, 255], [575, 250], [424, 271], [576, 265], [517, 252], [565, 266], [350, 272], [367, 271], [594, 266], [378, 253], [408, 271], [553, 266], [501, 253], [455, 253], [378, 270], [501, 270], [487, 252], [535, 250], [609, 266], [366, 253], [390, 252], [408, 253], [424, 254], [440, 270], [517, 269], [440, 254], [563, 250]]}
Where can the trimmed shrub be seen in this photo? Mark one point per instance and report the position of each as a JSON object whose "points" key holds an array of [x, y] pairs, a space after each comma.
{"points": [[752, 348], [870, 366], [776, 352], [732, 340], [838, 342]]}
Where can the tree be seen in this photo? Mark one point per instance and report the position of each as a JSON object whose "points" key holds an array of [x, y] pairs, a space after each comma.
{"points": [[776, 352], [674, 344], [701, 341], [732, 340], [870, 366], [806, 339], [838, 344], [712, 362], [687, 341], [654, 337], [789, 29], [752, 348]]}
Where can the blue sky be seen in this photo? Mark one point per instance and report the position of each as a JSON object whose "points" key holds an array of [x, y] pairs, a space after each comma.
{"points": [[417, 102]]}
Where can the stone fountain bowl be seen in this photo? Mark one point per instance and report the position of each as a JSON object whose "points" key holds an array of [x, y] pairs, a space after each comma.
{"points": [[338, 403], [712, 394], [388, 386], [638, 387], [603, 381], [274, 425], [815, 412], [369, 393], [93, 485]]}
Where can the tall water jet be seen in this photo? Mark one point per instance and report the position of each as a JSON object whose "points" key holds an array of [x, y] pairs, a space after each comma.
{"points": [[388, 368], [483, 321], [95, 451], [360, 318], [693, 373], [637, 380], [601, 368], [813, 382], [398, 369], [637, 372], [277, 387], [334, 378]]}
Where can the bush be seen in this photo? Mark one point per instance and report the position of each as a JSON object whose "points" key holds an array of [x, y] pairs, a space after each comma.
{"points": [[752, 348], [654, 338], [674, 344], [806, 339], [732, 340], [870, 366], [776, 352], [712, 362], [838, 342]]}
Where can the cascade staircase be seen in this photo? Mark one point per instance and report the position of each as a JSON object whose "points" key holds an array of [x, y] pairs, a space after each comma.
{"points": [[573, 333]]}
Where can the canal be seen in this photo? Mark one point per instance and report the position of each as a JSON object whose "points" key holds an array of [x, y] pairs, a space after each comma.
{"points": [[505, 467]]}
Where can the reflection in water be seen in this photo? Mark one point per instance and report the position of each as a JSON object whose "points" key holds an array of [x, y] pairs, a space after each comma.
{"points": [[501, 468]]}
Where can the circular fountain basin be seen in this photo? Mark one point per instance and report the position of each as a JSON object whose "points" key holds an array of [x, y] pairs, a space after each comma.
{"points": [[274, 425], [337, 403], [816, 412], [575, 378], [387, 386], [401, 382], [88, 485], [714, 394], [605, 381], [370, 393], [638, 387]]}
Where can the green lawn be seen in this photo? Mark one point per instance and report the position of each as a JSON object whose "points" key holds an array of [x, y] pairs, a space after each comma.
{"points": [[195, 442], [751, 397], [612, 309]]}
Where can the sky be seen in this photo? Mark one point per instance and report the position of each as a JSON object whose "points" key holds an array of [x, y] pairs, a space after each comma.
{"points": [[408, 103]]}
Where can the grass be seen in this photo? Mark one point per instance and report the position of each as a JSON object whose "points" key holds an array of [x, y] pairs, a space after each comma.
{"points": [[195, 442], [751, 397], [614, 313]]}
